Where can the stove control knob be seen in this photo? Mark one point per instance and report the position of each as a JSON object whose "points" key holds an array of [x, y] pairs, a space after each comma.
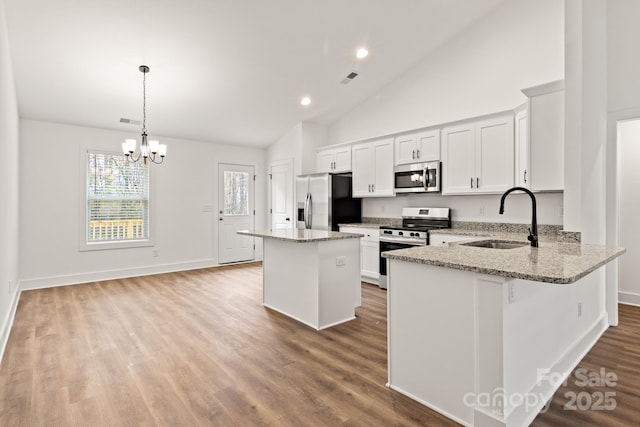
{"points": [[388, 232], [400, 233]]}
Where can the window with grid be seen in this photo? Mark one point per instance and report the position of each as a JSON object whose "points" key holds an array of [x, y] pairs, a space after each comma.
{"points": [[117, 199]]}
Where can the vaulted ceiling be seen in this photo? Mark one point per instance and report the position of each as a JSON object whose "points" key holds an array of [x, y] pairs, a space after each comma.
{"points": [[229, 71]]}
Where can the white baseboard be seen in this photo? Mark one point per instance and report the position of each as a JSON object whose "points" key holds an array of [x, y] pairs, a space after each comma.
{"points": [[74, 279], [8, 321], [629, 298]]}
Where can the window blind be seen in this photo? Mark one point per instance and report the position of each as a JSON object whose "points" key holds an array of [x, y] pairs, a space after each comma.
{"points": [[117, 198]]}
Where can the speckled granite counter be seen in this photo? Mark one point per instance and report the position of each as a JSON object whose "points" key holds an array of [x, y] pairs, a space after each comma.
{"points": [[361, 225], [552, 262], [301, 235]]}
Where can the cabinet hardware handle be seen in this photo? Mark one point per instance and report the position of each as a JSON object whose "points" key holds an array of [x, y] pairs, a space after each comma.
{"points": [[373, 188], [477, 182], [525, 176], [471, 180], [369, 188], [413, 154], [418, 154]]}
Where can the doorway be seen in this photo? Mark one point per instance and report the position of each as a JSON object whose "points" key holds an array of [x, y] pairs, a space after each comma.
{"points": [[281, 194], [628, 138], [236, 212]]}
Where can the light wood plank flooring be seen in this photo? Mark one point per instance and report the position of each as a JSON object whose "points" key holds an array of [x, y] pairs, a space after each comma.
{"points": [[198, 348]]}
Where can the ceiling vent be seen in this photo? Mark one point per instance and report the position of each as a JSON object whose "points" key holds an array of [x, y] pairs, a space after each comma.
{"points": [[130, 121], [352, 75]]}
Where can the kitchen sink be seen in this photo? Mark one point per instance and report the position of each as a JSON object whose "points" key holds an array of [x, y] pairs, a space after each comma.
{"points": [[495, 244]]}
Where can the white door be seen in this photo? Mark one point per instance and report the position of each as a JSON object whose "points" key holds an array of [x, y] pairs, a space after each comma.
{"points": [[281, 194], [236, 212]]}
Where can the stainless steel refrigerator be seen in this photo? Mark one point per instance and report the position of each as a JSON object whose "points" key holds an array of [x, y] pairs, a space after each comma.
{"points": [[325, 200]]}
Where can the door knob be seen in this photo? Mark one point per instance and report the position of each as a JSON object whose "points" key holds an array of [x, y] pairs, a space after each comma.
{"points": [[287, 219]]}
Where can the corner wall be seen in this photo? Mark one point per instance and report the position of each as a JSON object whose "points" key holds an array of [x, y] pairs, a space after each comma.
{"points": [[8, 187]]}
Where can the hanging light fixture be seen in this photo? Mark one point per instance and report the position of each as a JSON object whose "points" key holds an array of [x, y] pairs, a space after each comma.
{"points": [[149, 150]]}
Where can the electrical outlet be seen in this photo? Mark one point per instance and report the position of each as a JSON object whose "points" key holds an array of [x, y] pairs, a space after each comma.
{"points": [[382, 208], [481, 211], [579, 309], [512, 294], [155, 252], [560, 211], [340, 261]]}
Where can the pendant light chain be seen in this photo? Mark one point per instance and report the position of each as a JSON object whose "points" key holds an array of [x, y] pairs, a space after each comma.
{"points": [[144, 102]]}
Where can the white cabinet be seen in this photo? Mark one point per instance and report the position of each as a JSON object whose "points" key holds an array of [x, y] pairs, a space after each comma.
{"points": [[478, 157], [336, 159], [417, 147], [521, 133], [373, 168], [436, 239], [369, 252], [543, 141]]}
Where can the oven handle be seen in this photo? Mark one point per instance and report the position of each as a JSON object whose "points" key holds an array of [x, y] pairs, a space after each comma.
{"points": [[403, 242]]}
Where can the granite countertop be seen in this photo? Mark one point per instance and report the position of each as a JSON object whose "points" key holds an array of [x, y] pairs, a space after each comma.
{"points": [[552, 262], [362, 225], [301, 235]]}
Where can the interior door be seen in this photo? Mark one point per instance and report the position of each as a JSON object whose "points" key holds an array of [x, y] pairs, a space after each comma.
{"points": [[281, 195], [236, 212]]}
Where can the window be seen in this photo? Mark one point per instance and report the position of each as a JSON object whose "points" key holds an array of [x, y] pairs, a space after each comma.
{"points": [[236, 193], [117, 201]]}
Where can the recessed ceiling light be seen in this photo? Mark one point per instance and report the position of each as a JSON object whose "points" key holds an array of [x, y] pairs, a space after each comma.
{"points": [[362, 53], [305, 100]]}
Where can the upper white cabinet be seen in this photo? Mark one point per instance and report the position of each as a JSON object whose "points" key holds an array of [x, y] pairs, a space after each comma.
{"points": [[373, 168], [540, 141], [417, 147], [337, 159], [521, 133], [478, 156]]}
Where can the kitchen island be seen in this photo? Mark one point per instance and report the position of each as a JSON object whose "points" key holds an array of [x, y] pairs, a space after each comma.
{"points": [[312, 276], [485, 336]]}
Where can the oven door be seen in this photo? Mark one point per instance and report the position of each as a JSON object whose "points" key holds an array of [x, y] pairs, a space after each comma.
{"points": [[390, 246]]}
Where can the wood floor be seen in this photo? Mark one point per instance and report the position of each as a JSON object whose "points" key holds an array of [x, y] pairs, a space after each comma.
{"points": [[198, 348]]}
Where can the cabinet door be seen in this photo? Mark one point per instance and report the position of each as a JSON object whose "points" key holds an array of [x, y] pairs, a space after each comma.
{"points": [[458, 159], [370, 259], [383, 179], [428, 145], [494, 155], [546, 121], [362, 169], [405, 149], [342, 159], [324, 161], [521, 133]]}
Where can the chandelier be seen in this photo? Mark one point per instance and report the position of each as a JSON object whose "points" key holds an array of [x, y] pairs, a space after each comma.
{"points": [[152, 150]]}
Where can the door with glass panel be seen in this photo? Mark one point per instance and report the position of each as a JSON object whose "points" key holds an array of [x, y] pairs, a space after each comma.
{"points": [[236, 212]]}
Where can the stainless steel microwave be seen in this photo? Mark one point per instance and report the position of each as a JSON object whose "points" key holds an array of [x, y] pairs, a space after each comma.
{"points": [[417, 177]]}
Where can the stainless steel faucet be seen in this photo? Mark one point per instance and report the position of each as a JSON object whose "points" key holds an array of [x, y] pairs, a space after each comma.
{"points": [[533, 231]]}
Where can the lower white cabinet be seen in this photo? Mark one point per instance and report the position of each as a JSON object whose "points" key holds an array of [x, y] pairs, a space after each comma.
{"points": [[369, 252], [436, 239]]}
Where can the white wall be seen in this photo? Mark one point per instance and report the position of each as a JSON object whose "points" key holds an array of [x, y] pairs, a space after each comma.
{"points": [[8, 187], [623, 100], [51, 205], [481, 71]]}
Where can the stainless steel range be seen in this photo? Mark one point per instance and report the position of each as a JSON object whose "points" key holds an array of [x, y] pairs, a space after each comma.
{"points": [[416, 222]]}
